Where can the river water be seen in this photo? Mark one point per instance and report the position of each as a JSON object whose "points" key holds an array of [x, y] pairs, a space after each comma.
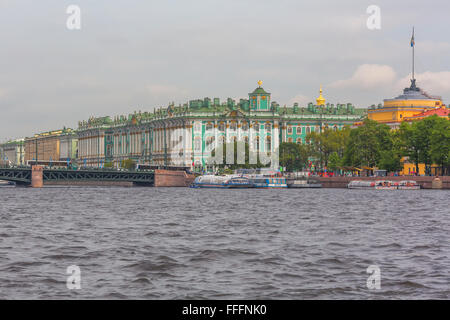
{"points": [[181, 243]]}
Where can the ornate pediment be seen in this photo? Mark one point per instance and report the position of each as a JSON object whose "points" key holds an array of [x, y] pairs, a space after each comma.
{"points": [[237, 113]]}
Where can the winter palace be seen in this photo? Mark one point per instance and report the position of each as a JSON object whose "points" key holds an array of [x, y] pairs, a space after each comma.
{"points": [[185, 135]]}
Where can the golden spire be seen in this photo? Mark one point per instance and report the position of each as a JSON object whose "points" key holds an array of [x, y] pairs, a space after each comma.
{"points": [[320, 100], [260, 83]]}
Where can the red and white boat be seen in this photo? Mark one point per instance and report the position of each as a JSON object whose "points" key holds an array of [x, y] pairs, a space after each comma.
{"points": [[377, 185], [408, 185]]}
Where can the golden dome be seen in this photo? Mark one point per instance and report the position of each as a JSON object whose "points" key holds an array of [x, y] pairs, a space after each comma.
{"points": [[320, 100]]}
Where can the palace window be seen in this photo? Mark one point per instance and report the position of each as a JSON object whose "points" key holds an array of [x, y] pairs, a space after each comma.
{"points": [[268, 127], [289, 130], [308, 130], [197, 127], [222, 126], [299, 130], [245, 126], [222, 140], [233, 125], [210, 143], [209, 126], [197, 144], [256, 127], [289, 139], [268, 144], [256, 144], [299, 141]]}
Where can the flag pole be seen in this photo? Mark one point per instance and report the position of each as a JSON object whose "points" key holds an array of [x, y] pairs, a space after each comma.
{"points": [[413, 45]]}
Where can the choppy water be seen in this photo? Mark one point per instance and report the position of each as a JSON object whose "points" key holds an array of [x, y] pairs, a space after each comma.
{"points": [[161, 243]]}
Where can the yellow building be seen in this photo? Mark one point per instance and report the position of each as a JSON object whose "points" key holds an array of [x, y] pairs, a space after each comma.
{"points": [[412, 102], [58, 145]]}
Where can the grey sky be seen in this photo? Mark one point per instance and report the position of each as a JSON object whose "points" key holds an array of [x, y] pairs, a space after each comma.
{"points": [[135, 55]]}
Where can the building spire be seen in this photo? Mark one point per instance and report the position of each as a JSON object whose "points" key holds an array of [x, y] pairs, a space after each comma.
{"points": [[320, 100], [413, 44]]}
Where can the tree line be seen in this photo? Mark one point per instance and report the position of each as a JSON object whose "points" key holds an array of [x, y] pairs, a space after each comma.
{"points": [[373, 144]]}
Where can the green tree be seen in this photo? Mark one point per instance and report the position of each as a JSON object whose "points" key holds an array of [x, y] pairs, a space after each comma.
{"points": [[366, 143], [323, 144], [128, 164], [108, 165], [418, 139], [440, 144], [293, 156], [390, 161], [334, 162]]}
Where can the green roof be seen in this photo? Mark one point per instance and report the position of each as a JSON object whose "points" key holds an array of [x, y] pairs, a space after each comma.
{"points": [[259, 90]]}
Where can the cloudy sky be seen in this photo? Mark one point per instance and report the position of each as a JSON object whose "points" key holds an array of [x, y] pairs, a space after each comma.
{"points": [[136, 55]]}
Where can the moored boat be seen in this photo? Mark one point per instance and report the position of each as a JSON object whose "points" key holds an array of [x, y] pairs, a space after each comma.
{"points": [[212, 181], [377, 185], [304, 183], [7, 184], [408, 185], [268, 182]]}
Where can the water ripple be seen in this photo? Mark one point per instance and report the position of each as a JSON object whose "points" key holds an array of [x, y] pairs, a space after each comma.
{"points": [[148, 243]]}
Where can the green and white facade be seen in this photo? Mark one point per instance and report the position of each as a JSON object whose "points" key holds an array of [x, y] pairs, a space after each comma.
{"points": [[185, 135]]}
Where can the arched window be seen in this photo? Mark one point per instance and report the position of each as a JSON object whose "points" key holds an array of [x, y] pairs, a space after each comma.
{"points": [[245, 126], [299, 130], [268, 127], [289, 139], [289, 129], [299, 141], [209, 126], [308, 130]]}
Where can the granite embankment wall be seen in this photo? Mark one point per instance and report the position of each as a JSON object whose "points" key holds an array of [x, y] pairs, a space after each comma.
{"points": [[342, 182], [170, 178]]}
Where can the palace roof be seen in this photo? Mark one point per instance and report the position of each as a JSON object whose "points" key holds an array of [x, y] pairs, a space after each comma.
{"points": [[259, 90], [440, 112], [414, 93]]}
